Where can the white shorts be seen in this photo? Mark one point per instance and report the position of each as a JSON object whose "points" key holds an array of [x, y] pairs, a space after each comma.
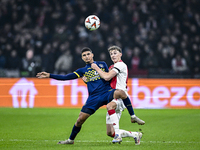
{"points": [[120, 107]]}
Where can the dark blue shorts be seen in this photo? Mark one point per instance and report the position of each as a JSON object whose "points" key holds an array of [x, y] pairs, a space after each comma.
{"points": [[95, 101]]}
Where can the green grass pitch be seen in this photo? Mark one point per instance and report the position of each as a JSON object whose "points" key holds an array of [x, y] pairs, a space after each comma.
{"points": [[42, 128]]}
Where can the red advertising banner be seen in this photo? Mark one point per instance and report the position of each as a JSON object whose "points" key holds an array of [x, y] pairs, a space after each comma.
{"points": [[144, 93]]}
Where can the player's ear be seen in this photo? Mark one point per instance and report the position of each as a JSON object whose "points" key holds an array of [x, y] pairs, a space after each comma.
{"points": [[82, 57]]}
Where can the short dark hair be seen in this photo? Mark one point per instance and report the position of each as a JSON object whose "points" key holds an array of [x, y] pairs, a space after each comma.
{"points": [[115, 48], [86, 49]]}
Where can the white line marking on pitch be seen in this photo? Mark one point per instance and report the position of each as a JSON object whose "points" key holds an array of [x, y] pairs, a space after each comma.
{"points": [[106, 141]]}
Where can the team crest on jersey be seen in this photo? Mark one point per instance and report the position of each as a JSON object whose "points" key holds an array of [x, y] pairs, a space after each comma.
{"points": [[101, 65]]}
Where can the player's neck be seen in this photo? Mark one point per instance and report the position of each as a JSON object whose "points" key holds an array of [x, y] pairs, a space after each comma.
{"points": [[118, 61], [90, 62]]}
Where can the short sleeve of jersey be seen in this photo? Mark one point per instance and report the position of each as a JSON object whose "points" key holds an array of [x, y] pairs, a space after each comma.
{"points": [[80, 72], [118, 66]]}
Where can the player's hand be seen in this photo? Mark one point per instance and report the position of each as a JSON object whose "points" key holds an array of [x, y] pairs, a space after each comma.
{"points": [[84, 79], [41, 75], [94, 66]]}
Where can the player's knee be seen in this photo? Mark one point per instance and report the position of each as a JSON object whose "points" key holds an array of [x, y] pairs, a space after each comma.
{"points": [[120, 94], [111, 105]]}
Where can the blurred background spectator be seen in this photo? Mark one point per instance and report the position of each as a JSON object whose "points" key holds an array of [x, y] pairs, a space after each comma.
{"points": [[48, 58], [2, 60], [14, 62], [30, 64], [196, 66], [179, 64], [63, 64], [150, 62], [150, 32]]}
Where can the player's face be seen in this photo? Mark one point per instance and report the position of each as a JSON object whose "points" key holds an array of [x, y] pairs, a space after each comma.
{"points": [[115, 56], [87, 57]]}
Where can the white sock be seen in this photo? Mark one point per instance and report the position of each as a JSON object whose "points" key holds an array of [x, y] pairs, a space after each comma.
{"points": [[115, 121], [125, 133]]}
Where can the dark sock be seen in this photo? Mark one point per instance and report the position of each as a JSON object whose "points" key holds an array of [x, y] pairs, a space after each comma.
{"points": [[74, 132], [128, 105]]}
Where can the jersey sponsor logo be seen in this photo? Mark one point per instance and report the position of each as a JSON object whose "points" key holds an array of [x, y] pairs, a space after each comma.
{"points": [[93, 75]]}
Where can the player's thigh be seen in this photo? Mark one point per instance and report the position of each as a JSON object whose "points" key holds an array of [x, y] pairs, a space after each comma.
{"points": [[119, 94], [95, 101]]}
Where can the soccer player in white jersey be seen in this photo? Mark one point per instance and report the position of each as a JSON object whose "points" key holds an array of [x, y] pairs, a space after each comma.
{"points": [[118, 75]]}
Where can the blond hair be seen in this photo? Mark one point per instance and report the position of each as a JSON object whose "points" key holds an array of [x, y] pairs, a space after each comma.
{"points": [[115, 48]]}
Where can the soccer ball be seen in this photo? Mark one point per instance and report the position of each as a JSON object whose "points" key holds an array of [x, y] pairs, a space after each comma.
{"points": [[92, 22]]}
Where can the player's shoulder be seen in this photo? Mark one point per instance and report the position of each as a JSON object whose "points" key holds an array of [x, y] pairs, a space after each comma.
{"points": [[120, 63], [98, 62], [82, 69], [101, 63]]}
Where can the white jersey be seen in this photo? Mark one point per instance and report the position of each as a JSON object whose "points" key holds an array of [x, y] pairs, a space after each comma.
{"points": [[120, 80]]}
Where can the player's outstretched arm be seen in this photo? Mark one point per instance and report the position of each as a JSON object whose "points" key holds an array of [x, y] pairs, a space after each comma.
{"points": [[69, 76], [42, 75], [105, 75]]}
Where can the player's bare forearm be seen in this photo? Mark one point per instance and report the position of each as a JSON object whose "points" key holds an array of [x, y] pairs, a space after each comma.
{"points": [[101, 73], [105, 75], [84, 79]]}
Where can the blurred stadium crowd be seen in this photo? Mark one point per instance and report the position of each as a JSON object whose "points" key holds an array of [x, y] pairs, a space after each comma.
{"points": [[159, 38]]}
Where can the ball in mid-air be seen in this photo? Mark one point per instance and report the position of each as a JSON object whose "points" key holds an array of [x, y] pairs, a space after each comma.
{"points": [[92, 22]]}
